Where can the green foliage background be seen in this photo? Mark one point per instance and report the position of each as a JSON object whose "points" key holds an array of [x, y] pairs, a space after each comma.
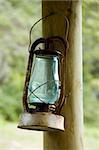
{"points": [[91, 61], [16, 18]]}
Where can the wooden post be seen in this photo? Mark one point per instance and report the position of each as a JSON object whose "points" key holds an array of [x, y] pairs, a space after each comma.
{"points": [[71, 139]]}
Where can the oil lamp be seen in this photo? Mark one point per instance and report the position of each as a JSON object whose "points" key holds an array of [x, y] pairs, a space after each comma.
{"points": [[44, 91]]}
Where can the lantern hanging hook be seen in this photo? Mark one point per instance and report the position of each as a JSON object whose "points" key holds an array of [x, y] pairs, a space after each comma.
{"points": [[45, 17]]}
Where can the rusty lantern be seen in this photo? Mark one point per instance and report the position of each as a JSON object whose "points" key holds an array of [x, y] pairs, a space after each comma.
{"points": [[44, 90]]}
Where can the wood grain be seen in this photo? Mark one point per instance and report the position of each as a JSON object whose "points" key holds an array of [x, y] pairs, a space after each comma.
{"points": [[72, 138]]}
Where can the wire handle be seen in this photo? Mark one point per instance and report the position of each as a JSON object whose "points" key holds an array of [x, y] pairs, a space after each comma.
{"points": [[51, 14]]}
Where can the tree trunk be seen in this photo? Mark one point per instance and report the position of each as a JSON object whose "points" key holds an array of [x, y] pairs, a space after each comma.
{"points": [[71, 139]]}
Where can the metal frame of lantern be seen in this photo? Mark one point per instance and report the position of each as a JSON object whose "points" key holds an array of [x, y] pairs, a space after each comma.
{"points": [[48, 117]]}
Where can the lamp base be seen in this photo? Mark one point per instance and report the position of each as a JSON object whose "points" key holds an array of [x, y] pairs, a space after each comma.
{"points": [[41, 121]]}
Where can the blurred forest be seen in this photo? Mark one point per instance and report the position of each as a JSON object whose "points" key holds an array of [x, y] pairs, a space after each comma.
{"points": [[91, 61], [16, 18]]}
